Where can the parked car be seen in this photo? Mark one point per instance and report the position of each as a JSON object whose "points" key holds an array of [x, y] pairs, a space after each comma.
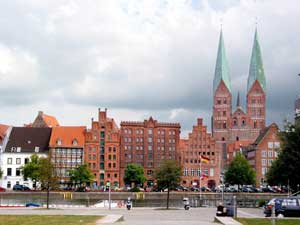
{"points": [[2, 189], [181, 188], [20, 187], [287, 207], [33, 204]]}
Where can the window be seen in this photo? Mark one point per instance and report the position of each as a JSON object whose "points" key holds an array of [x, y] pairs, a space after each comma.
{"points": [[18, 172], [58, 142], [185, 172], [150, 139], [264, 170], [8, 184], [264, 154], [263, 162], [192, 172], [224, 113], [26, 160], [198, 172], [36, 149], [150, 156], [211, 172], [150, 131], [101, 176], [149, 172], [18, 160], [9, 160], [276, 144], [270, 153], [149, 147], [270, 144], [8, 171]]}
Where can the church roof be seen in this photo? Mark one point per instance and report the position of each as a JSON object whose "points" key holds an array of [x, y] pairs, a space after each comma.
{"points": [[222, 69], [256, 70]]}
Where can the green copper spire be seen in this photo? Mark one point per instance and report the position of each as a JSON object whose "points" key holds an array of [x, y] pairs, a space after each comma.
{"points": [[256, 71], [222, 69]]}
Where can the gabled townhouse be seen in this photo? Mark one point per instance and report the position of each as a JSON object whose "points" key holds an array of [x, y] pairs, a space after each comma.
{"points": [[263, 152], [66, 150], [18, 146]]}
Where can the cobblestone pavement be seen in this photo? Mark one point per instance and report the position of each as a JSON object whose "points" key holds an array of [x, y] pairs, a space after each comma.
{"points": [[143, 216]]}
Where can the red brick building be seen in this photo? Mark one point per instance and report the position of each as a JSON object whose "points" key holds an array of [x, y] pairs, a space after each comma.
{"points": [[264, 151], [234, 128], [147, 144], [102, 150], [199, 142]]}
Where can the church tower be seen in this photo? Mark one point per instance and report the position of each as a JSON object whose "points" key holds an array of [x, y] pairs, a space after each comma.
{"points": [[222, 95], [256, 88]]}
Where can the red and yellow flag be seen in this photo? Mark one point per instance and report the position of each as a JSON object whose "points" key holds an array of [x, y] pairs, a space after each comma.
{"points": [[204, 159]]}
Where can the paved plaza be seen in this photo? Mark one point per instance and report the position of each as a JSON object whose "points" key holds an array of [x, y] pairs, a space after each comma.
{"points": [[141, 216]]}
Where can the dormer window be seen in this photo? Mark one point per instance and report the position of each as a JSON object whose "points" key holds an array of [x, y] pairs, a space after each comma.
{"points": [[18, 149], [36, 149], [74, 142], [58, 142], [13, 149]]}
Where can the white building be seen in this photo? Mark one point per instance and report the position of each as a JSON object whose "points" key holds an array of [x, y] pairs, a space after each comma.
{"points": [[18, 146]]}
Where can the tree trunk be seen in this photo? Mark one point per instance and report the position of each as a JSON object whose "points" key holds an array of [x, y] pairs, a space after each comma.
{"points": [[168, 197], [48, 194]]}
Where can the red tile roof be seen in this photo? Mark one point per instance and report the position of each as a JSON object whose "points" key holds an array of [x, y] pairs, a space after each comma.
{"points": [[51, 121], [3, 129], [67, 134]]}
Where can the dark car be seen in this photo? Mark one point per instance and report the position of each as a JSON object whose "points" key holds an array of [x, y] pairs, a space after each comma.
{"points": [[287, 207], [2, 189], [20, 187], [33, 204]]}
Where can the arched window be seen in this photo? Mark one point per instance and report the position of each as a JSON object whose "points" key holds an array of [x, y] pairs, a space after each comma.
{"points": [[255, 124], [58, 142], [74, 142], [237, 138]]}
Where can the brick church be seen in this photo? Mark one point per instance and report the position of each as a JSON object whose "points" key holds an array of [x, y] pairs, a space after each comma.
{"points": [[233, 128]]}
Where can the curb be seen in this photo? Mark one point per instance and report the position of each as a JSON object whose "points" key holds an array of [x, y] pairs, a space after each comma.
{"points": [[109, 219], [226, 220]]}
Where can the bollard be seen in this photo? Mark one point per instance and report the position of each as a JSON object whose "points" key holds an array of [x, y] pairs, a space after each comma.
{"points": [[234, 207]]}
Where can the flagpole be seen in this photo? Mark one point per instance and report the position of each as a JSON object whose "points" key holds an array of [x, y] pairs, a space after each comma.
{"points": [[200, 179]]}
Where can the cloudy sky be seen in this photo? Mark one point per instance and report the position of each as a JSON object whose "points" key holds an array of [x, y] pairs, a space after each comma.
{"points": [[140, 58]]}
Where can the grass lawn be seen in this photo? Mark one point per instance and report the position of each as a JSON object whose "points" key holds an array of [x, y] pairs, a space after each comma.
{"points": [[248, 221], [47, 219]]}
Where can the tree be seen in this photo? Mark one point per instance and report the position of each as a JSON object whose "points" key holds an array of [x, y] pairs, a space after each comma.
{"points": [[48, 177], [240, 172], [31, 169], [168, 176], [285, 169], [81, 175], [1, 173], [134, 174]]}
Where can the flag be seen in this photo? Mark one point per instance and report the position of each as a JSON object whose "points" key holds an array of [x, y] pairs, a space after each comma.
{"points": [[204, 159], [203, 176]]}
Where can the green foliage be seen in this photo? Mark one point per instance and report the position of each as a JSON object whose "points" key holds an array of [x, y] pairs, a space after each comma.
{"points": [[134, 173], [31, 169], [168, 176], [48, 177], [47, 174], [285, 170], [135, 189], [240, 172], [81, 175]]}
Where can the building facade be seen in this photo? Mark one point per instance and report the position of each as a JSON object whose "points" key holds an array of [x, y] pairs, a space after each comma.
{"points": [[199, 143], [20, 145], [102, 150], [147, 144], [66, 150], [230, 126], [263, 152]]}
